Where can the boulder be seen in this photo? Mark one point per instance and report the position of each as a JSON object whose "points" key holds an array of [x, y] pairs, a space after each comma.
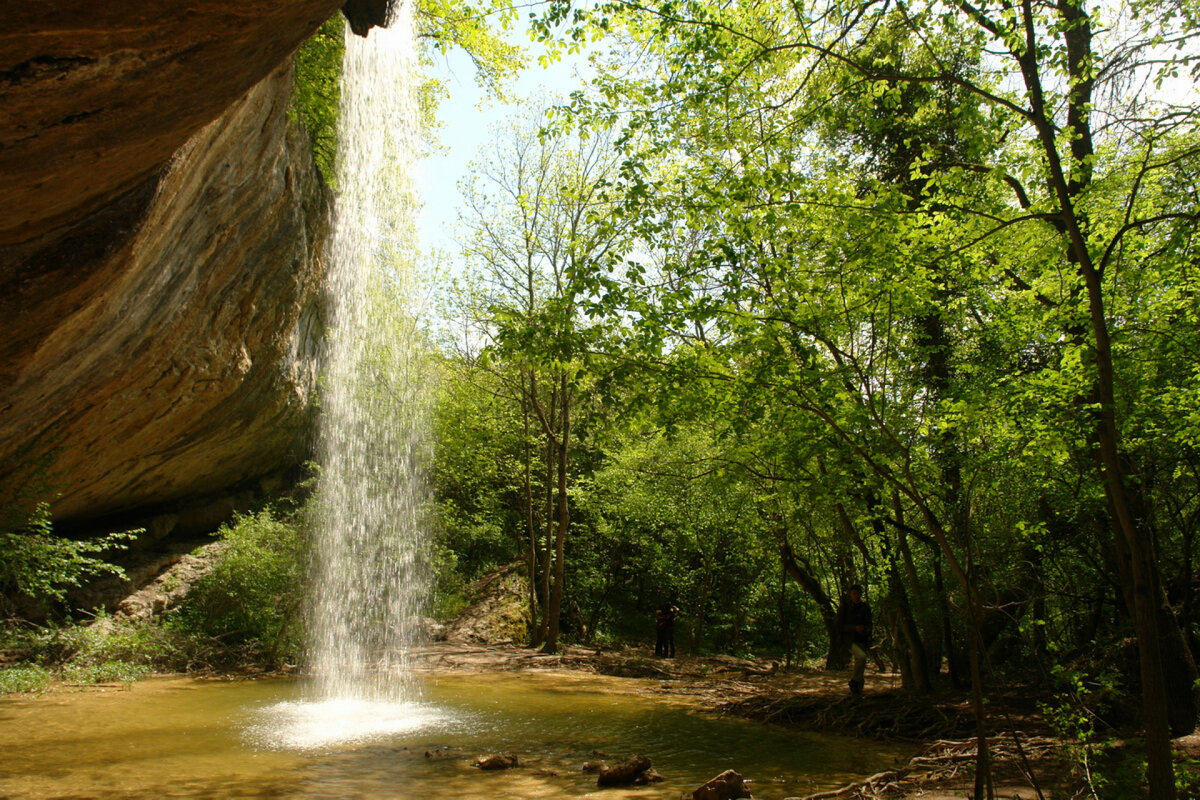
{"points": [[726, 786], [497, 761], [497, 611]]}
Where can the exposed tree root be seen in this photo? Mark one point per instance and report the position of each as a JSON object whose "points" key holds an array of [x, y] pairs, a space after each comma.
{"points": [[939, 762]]}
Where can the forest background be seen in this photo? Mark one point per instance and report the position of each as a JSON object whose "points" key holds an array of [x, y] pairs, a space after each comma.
{"points": [[796, 297]]}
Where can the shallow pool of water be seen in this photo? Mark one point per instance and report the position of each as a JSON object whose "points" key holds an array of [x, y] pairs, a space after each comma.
{"points": [[182, 738]]}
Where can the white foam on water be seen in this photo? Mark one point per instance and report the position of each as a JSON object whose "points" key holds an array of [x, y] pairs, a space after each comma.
{"points": [[321, 724]]}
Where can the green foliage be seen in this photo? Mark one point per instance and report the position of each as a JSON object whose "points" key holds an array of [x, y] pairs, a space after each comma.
{"points": [[1187, 779], [96, 641], [99, 650], [1077, 717], [250, 603], [24, 679], [140, 645], [449, 24], [106, 672], [906, 292], [443, 25], [317, 92], [37, 564]]}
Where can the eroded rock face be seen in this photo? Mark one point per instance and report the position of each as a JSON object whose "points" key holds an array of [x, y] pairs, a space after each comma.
{"points": [[165, 348], [96, 96]]}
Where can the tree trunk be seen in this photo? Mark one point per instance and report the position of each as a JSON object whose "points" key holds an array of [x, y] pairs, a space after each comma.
{"points": [[546, 553], [1138, 568], [838, 657], [562, 459], [531, 527], [914, 669]]}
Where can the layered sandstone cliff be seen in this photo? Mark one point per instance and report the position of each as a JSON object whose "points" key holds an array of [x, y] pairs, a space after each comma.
{"points": [[160, 231], [187, 363]]}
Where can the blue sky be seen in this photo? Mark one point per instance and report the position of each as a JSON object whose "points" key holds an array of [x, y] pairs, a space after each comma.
{"points": [[467, 118]]}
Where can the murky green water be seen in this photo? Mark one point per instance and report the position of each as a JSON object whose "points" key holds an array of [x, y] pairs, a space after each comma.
{"points": [[179, 738]]}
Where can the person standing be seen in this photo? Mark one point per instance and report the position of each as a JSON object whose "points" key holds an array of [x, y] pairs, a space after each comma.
{"points": [[854, 621], [664, 623]]}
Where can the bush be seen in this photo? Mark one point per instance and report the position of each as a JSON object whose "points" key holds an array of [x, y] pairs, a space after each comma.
{"points": [[23, 679], [248, 607], [107, 672], [38, 565], [140, 644]]}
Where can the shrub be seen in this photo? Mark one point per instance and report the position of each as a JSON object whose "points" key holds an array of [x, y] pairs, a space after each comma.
{"points": [[248, 606], [107, 672], [141, 644], [23, 679], [36, 564]]}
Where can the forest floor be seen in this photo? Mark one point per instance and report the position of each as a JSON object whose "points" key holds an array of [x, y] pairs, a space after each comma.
{"points": [[940, 726]]}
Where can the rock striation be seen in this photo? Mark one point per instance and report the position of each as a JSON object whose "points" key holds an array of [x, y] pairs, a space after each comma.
{"points": [[95, 97], [160, 229], [179, 357]]}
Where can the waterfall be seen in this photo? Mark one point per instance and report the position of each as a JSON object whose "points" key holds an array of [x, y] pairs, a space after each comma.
{"points": [[368, 566]]}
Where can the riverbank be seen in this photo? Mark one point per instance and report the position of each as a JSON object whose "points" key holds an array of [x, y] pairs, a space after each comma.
{"points": [[1028, 760], [1026, 757]]}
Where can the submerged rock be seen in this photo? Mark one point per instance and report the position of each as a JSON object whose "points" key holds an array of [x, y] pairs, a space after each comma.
{"points": [[441, 753], [497, 761], [726, 786], [633, 770]]}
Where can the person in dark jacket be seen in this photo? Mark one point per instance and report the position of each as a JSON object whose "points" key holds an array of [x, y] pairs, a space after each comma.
{"points": [[854, 622], [664, 623]]}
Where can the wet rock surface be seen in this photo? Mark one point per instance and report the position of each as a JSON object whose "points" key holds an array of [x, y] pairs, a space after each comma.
{"points": [[632, 770], [495, 761], [726, 786]]}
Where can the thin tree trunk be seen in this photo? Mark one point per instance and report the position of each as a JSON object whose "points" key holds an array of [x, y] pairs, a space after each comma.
{"points": [[547, 538], [531, 526], [562, 452]]}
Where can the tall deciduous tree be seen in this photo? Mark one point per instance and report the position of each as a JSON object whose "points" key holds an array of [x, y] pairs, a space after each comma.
{"points": [[534, 216], [1012, 148]]}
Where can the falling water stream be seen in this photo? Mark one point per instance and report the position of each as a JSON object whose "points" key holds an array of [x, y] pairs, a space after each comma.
{"points": [[368, 580]]}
